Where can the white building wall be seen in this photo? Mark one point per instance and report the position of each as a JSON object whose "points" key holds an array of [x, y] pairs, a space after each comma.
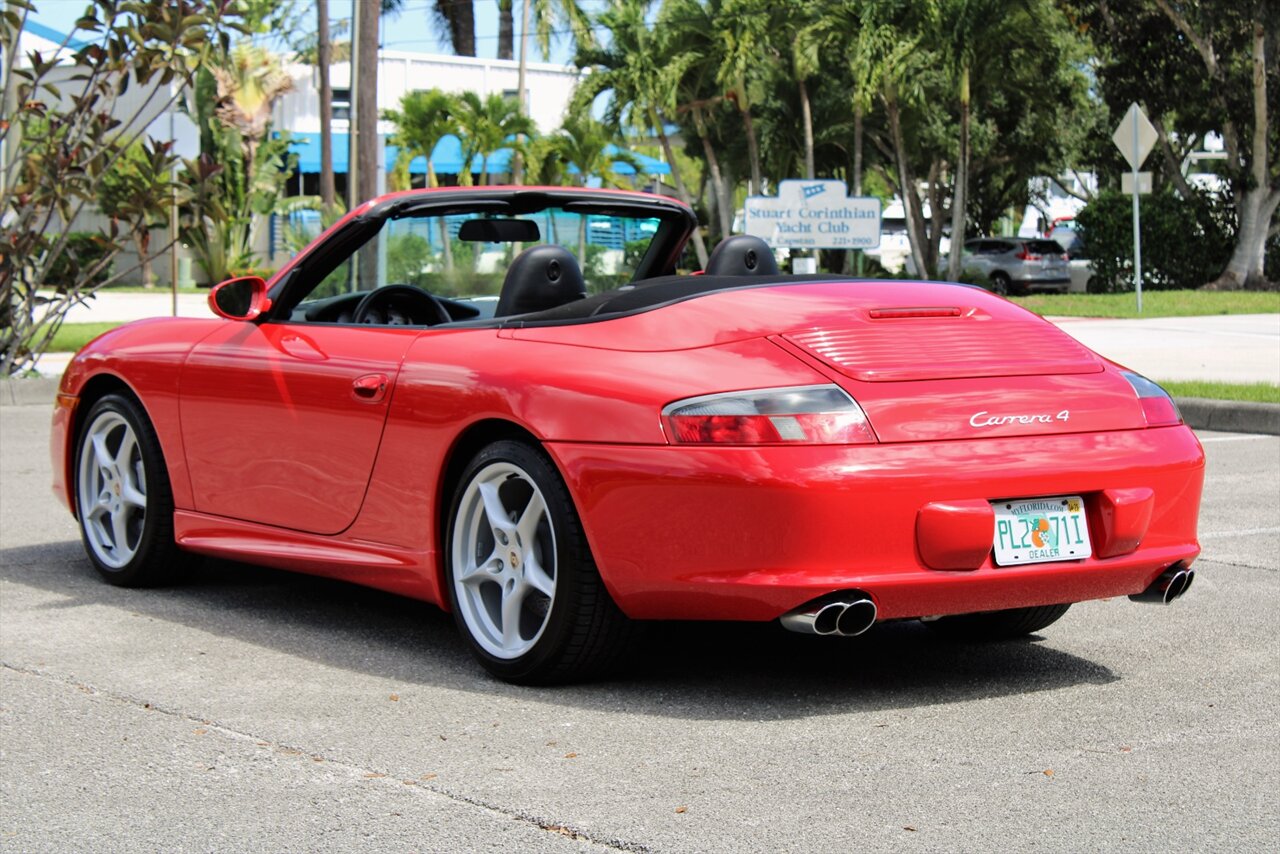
{"points": [[549, 86]]}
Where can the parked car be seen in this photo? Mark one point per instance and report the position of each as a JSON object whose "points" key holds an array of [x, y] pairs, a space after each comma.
{"points": [[739, 445], [1017, 265]]}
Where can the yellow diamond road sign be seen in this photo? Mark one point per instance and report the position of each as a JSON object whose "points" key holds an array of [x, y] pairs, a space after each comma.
{"points": [[1135, 136]]}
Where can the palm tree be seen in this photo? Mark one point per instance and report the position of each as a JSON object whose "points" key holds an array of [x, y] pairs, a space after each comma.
{"points": [[547, 13], [487, 125], [693, 50], [633, 69], [249, 84], [592, 149], [742, 27], [971, 35], [424, 118], [459, 18]]}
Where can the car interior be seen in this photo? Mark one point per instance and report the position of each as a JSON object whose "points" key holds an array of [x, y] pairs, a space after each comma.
{"points": [[525, 261]]}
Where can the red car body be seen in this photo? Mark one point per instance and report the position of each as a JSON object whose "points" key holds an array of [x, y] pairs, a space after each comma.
{"points": [[274, 459]]}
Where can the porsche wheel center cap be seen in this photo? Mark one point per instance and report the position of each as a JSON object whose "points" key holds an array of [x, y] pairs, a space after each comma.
{"points": [[513, 559]]}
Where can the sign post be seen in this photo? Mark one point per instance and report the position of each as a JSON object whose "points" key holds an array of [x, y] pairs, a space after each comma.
{"points": [[1134, 137], [814, 215]]}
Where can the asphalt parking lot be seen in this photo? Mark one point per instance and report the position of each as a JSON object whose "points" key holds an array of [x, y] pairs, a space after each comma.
{"points": [[253, 710]]}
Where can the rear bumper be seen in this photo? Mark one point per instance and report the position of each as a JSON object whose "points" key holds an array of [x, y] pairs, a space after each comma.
{"points": [[750, 533]]}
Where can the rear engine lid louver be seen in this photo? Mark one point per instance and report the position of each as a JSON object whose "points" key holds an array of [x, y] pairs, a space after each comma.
{"points": [[891, 346]]}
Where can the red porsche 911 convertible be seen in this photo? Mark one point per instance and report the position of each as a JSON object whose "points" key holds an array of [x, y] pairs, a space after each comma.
{"points": [[610, 442]]}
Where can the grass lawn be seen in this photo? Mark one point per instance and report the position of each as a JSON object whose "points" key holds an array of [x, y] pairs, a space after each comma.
{"points": [[72, 336], [1255, 392], [1154, 304]]}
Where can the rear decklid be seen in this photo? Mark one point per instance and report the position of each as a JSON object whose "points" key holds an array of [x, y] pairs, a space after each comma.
{"points": [[927, 373], [927, 361]]}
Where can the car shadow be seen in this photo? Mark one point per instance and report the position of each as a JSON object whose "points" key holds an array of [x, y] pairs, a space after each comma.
{"points": [[677, 669]]}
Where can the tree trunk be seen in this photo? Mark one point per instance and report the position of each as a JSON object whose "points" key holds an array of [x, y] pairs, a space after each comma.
{"points": [[506, 26], [806, 115], [582, 239], [857, 150], [142, 237], [517, 169], [460, 15], [753, 152], [907, 188], [723, 203], [366, 124], [1246, 267], [959, 196], [324, 57], [698, 246]]}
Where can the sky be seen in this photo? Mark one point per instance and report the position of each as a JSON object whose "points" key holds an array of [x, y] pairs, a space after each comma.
{"points": [[414, 28]]}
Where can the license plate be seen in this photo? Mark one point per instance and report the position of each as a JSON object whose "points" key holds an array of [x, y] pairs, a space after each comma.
{"points": [[1039, 530]]}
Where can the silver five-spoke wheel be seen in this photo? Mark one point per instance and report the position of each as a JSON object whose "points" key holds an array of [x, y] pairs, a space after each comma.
{"points": [[523, 586], [122, 493], [112, 489], [504, 555]]}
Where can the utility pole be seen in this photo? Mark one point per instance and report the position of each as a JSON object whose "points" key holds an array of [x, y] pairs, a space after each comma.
{"points": [[364, 91], [323, 59]]}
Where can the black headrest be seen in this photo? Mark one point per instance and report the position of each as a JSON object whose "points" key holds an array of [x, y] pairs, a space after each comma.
{"points": [[539, 278], [742, 255]]}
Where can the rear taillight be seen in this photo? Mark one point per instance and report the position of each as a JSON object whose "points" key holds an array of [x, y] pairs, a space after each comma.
{"points": [[806, 415], [1024, 255], [1157, 406]]}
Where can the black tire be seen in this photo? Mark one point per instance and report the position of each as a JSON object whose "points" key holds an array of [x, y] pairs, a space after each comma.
{"points": [[999, 625], [581, 633], [147, 555], [1000, 284]]}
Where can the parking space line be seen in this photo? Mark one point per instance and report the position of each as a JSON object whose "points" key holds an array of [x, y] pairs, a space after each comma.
{"points": [[1236, 438], [1244, 532]]}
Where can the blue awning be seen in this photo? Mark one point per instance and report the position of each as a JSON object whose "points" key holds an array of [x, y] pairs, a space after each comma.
{"points": [[446, 158]]}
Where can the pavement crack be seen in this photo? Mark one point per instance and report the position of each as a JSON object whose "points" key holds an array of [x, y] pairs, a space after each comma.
{"points": [[377, 776]]}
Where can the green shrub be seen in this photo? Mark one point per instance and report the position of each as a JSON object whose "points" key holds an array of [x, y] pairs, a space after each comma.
{"points": [[1185, 242], [84, 249]]}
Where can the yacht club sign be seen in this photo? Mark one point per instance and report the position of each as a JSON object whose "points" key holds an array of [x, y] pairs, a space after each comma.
{"points": [[814, 215]]}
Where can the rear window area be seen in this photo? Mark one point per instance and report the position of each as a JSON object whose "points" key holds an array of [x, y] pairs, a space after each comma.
{"points": [[1044, 247]]}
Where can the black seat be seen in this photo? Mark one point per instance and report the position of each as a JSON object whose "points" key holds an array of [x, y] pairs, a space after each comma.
{"points": [[742, 255], [539, 278]]}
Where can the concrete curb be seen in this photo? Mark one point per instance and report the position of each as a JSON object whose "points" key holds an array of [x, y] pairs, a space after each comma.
{"points": [[33, 391], [1231, 416]]}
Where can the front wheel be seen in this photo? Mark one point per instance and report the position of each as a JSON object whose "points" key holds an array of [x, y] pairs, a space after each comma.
{"points": [[523, 585], [123, 499], [999, 625]]}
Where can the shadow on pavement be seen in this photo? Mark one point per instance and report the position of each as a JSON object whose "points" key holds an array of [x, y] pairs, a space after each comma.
{"points": [[691, 671]]}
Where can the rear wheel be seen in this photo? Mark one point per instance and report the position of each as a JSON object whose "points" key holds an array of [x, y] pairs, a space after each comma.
{"points": [[999, 625], [1000, 283], [524, 588], [123, 499]]}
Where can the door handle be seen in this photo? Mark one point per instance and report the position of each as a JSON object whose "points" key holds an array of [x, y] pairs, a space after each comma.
{"points": [[369, 388]]}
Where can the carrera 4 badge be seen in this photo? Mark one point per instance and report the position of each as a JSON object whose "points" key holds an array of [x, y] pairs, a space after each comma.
{"points": [[986, 419]]}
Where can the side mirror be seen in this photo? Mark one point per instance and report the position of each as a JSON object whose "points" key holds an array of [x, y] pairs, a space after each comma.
{"points": [[240, 299]]}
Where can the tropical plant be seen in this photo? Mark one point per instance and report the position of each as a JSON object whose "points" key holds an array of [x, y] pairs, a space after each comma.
{"points": [[633, 70], [139, 192], [590, 149], [61, 139], [424, 118], [249, 84], [485, 126]]}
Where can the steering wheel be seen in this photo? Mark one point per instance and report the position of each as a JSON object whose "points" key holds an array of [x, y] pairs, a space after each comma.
{"points": [[400, 305]]}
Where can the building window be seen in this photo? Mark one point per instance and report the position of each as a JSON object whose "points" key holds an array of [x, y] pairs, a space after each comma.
{"points": [[341, 104]]}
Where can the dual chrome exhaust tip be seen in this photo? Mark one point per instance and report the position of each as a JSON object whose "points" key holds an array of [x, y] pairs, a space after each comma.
{"points": [[1171, 584], [847, 614]]}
